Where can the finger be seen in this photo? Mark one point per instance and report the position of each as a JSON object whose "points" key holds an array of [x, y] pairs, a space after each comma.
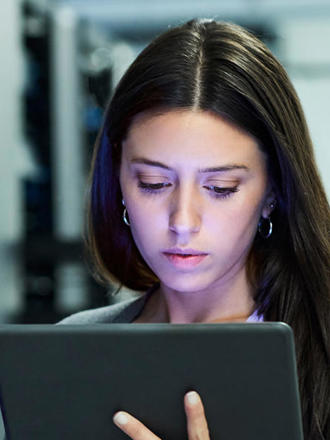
{"points": [[196, 421], [133, 427]]}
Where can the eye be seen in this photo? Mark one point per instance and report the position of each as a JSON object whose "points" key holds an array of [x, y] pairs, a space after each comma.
{"points": [[153, 187], [219, 192]]}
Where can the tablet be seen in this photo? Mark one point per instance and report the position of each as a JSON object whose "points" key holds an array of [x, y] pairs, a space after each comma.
{"points": [[66, 382]]}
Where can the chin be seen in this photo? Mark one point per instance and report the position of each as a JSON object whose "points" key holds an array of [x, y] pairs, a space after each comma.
{"points": [[186, 283]]}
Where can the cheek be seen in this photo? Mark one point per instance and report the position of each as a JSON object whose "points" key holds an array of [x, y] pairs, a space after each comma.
{"points": [[235, 224], [146, 225]]}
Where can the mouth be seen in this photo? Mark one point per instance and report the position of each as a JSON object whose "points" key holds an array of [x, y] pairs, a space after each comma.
{"points": [[185, 260], [184, 252]]}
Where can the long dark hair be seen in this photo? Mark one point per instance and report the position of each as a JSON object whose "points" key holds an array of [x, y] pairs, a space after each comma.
{"points": [[222, 68]]}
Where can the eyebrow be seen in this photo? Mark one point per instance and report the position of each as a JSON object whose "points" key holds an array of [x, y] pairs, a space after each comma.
{"points": [[223, 168]]}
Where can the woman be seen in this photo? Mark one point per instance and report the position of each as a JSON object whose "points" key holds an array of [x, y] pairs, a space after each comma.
{"points": [[205, 194]]}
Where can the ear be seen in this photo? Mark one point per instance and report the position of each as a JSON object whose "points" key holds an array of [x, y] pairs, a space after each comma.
{"points": [[269, 204]]}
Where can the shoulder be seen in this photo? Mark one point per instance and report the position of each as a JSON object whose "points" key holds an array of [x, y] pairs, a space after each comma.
{"points": [[124, 311]]}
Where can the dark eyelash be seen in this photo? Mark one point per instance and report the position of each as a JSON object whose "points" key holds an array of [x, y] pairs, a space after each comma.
{"points": [[218, 192], [152, 187], [221, 193]]}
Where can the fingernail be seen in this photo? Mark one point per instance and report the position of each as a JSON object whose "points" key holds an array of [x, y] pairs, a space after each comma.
{"points": [[120, 418], [192, 397]]}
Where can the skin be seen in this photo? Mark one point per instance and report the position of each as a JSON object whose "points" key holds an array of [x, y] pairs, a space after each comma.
{"points": [[214, 212]]}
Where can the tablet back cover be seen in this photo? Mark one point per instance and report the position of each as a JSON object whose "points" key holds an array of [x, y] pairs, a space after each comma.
{"points": [[67, 381]]}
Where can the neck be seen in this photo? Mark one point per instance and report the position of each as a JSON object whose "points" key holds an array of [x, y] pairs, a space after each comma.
{"points": [[228, 301]]}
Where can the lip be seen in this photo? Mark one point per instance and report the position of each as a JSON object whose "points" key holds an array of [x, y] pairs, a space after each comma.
{"points": [[186, 251], [177, 259]]}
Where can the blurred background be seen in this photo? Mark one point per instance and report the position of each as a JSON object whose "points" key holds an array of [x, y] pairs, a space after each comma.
{"points": [[60, 61]]}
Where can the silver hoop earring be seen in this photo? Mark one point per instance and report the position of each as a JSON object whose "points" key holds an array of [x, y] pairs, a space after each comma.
{"points": [[125, 218], [261, 227]]}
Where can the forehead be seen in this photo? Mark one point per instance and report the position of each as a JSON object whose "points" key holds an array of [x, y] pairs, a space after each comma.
{"points": [[188, 136]]}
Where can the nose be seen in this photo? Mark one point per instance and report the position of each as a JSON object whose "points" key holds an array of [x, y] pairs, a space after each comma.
{"points": [[185, 216]]}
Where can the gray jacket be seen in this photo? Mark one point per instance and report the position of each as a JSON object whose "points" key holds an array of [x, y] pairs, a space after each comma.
{"points": [[122, 312]]}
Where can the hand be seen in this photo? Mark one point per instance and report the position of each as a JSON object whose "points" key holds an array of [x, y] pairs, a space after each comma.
{"points": [[196, 422]]}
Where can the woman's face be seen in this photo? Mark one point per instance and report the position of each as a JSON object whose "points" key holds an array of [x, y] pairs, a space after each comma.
{"points": [[193, 183]]}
